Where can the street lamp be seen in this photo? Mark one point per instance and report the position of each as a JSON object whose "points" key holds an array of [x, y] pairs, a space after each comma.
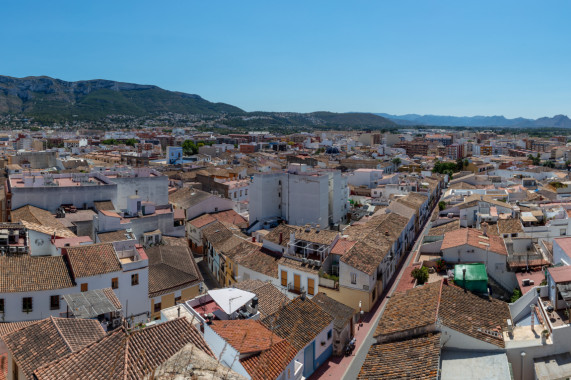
{"points": [[522, 356]]}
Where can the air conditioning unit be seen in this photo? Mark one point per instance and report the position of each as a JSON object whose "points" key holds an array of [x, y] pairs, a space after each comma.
{"points": [[116, 322], [525, 282], [304, 260]]}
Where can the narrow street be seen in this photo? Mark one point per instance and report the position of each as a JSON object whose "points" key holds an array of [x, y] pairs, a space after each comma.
{"points": [[362, 349], [209, 281], [348, 367]]}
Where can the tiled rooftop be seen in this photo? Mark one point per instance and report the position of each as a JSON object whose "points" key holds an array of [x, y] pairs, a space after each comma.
{"points": [[171, 268], [412, 359], [245, 335], [270, 298], [50, 339], [474, 238], [134, 355], [298, 322], [49, 273], [93, 260]]}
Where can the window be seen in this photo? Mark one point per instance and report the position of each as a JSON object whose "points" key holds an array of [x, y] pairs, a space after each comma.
{"points": [[54, 302], [177, 300], [27, 304], [240, 192], [115, 283], [246, 192], [157, 307], [1, 305], [329, 334], [135, 279], [353, 278], [215, 209], [84, 287]]}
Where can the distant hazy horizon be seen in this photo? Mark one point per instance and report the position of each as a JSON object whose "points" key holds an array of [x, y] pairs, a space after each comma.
{"points": [[450, 58]]}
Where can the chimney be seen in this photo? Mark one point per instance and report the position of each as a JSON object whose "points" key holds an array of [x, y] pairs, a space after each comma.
{"points": [[485, 228], [387, 233], [253, 239]]}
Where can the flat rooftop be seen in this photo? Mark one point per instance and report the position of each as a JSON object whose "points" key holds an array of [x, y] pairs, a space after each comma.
{"points": [[468, 365], [57, 182]]}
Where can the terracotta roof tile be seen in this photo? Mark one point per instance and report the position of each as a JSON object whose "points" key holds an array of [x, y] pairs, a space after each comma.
{"points": [[416, 308], [246, 335], [408, 359], [452, 306], [10, 327], [298, 322], [92, 260], [49, 272], [374, 240], [50, 339], [171, 268], [255, 258], [202, 220], [270, 298], [341, 312], [474, 238], [104, 205], [443, 228], [509, 226], [36, 215], [313, 235], [342, 247], [270, 363], [560, 274], [471, 314], [122, 356]]}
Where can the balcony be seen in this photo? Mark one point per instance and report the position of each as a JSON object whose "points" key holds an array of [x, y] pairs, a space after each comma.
{"points": [[295, 289], [298, 371]]}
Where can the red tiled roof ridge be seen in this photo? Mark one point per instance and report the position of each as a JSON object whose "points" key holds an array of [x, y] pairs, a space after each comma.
{"points": [[61, 334], [54, 362], [439, 298], [126, 356]]}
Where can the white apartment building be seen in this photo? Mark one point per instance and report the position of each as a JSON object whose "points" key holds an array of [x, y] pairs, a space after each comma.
{"points": [[300, 196]]}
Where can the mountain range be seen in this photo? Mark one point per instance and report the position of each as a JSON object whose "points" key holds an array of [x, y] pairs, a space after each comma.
{"points": [[558, 121], [47, 99]]}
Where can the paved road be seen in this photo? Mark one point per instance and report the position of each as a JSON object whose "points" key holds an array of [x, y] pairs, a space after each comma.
{"points": [[362, 350], [209, 281]]}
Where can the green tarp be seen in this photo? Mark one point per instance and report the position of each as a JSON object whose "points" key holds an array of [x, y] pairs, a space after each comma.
{"points": [[476, 279]]}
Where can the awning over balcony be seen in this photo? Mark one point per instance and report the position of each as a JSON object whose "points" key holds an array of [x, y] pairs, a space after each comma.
{"points": [[230, 299]]}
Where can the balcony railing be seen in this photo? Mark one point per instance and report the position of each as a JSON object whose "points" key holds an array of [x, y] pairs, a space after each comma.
{"points": [[295, 289]]}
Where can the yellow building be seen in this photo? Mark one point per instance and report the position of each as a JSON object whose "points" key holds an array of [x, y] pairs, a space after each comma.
{"points": [[174, 277]]}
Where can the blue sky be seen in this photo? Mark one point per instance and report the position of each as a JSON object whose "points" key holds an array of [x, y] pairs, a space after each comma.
{"points": [[507, 58]]}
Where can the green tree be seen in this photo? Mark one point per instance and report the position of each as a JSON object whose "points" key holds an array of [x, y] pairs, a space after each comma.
{"points": [[396, 161], [420, 274], [131, 142], [549, 164], [515, 295], [441, 205], [189, 148], [534, 160]]}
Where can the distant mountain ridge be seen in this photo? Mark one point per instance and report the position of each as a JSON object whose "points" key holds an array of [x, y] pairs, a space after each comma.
{"points": [[558, 121], [53, 100], [49, 98]]}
